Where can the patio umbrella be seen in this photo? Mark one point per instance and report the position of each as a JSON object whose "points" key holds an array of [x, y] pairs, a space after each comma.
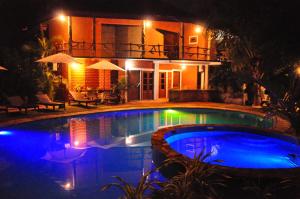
{"points": [[58, 58], [105, 65], [2, 68]]}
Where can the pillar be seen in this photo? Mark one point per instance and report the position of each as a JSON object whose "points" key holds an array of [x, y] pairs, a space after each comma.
{"points": [[156, 81], [206, 77]]}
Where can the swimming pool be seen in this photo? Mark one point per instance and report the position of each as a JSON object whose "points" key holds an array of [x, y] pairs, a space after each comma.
{"points": [[237, 148], [72, 157]]}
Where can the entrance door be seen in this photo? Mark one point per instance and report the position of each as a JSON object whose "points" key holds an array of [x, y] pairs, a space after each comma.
{"points": [[162, 84], [133, 85], [147, 85]]}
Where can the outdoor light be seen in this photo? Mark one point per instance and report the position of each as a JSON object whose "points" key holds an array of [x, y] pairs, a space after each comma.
{"points": [[62, 18], [67, 186], [183, 66], [76, 143], [198, 29], [75, 65], [298, 70], [128, 140], [129, 65], [5, 133], [147, 23]]}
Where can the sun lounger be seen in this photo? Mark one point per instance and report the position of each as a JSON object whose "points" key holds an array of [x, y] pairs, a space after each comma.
{"points": [[43, 99], [19, 103], [3, 108], [79, 98]]}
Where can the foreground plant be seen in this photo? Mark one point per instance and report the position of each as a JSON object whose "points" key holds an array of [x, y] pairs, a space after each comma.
{"points": [[133, 192], [197, 180]]}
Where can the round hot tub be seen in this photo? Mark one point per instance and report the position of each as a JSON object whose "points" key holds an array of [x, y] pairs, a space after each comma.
{"points": [[238, 150]]}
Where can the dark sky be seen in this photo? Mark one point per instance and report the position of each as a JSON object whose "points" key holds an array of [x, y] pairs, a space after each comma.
{"points": [[19, 18]]}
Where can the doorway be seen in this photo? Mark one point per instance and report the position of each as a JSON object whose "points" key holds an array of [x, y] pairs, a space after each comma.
{"points": [[147, 91], [133, 85], [162, 84]]}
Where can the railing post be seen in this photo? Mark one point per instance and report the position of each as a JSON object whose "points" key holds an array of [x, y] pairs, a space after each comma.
{"points": [[94, 36], [182, 40], [70, 35], [130, 49]]}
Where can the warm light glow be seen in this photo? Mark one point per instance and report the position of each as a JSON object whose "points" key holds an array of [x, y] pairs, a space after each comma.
{"points": [[298, 70], [62, 17], [171, 111], [68, 186], [147, 23], [128, 140], [75, 65], [198, 29], [183, 66], [5, 133], [76, 143], [129, 65]]}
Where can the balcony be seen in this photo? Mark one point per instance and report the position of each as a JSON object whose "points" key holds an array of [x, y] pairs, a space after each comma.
{"points": [[138, 51]]}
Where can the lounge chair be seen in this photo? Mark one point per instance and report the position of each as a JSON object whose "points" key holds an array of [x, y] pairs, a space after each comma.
{"points": [[3, 108], [19, 103], [43, 99], [79, 98], [110, 98]]}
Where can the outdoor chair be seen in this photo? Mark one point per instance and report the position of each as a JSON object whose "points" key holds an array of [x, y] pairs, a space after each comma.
{"points": [[3, 108], [79, 98], [19, 103], [44, 99], [109, 98]]}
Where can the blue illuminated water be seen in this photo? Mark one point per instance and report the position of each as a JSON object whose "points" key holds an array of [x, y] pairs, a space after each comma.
{"points": [[238, 149], [73, 157]]}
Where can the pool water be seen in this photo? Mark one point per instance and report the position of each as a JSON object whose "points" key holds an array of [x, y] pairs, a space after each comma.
{"points": [[73, 157], [238, 149]]}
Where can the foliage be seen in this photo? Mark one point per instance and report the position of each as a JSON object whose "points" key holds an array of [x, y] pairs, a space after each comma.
{"points": [[130, 191], [119, 88], [259, 190], [198, 180], [225, 78]]}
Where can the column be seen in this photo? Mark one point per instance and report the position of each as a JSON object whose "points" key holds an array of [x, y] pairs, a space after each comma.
{"points": [[156, 80], [206, 77]]}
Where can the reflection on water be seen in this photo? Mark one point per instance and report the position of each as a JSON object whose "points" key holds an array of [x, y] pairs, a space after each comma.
{"points": [[82, 153]]}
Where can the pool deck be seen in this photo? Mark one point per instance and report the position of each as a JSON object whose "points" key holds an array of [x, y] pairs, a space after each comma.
{"points": [[14, 117]]}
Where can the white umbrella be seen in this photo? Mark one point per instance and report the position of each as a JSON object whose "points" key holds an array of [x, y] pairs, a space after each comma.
{"points": [[2, 68], [58, 58], [105, 65]]}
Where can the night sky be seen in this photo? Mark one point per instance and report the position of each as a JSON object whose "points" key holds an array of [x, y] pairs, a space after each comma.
{"points": [[20, 18]]}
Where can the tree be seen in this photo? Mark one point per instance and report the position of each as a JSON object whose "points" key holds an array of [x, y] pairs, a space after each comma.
{"points": [[261, 38]]}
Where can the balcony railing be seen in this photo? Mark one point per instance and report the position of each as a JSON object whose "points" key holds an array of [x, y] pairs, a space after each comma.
{"points": [[137, 51]]}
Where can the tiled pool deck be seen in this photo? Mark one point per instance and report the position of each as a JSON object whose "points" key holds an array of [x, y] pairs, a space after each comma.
{"points": [[13, 118]]}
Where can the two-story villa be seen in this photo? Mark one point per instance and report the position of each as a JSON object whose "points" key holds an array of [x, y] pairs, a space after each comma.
{"points": [[158, 55]]}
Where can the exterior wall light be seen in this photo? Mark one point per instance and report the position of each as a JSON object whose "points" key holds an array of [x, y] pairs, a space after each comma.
{"points": [[129, 65], [147, 23], [297, 71], [198, 29], [62, 17], [75, 65], [128, 140], [183, 66]]}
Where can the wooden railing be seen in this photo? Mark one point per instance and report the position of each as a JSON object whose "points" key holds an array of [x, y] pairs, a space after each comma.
{"points": [[133, 50]]}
